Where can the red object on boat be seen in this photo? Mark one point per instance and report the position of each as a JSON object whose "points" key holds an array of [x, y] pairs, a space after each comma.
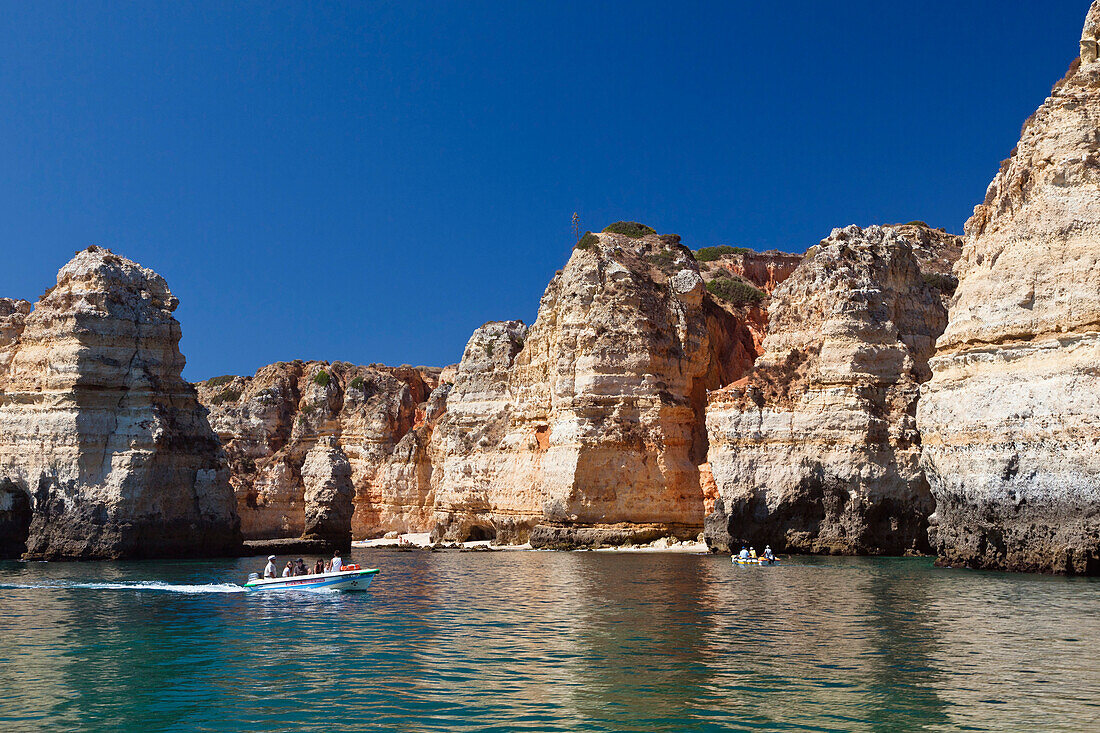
{"points": [[350, 567]]}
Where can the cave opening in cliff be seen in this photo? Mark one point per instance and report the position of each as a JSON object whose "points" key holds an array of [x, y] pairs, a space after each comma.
{"points": [[478, 533], [15, 520]]}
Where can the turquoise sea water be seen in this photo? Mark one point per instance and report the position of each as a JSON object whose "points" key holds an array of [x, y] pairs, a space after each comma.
{"points": [[549, 641]]}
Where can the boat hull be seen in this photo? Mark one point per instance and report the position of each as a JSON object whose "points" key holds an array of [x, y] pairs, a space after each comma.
{"points": [[754, 561], [347, 581]]}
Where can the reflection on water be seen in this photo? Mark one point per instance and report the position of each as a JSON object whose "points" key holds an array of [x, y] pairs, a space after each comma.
{"points": [[550, 641]]}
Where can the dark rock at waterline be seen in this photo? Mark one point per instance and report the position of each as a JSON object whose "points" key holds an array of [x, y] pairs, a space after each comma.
{"points": [[293, 546], [551, 537]]}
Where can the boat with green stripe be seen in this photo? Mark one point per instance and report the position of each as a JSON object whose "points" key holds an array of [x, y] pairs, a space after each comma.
{"points": [[343, 580]]}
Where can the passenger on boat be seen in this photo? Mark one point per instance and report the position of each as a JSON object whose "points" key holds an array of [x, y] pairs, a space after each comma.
{"points": [[289, 569], [768, 553], [300, 568], [744, 554], [270, 571], [337, 564], [752, 552], [319, 568]]}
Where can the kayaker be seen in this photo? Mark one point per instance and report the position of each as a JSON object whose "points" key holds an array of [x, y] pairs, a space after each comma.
{"points": [[744, 554], [319, 567], [752, 552], [768, 553], [270, 571], [337, 564]]}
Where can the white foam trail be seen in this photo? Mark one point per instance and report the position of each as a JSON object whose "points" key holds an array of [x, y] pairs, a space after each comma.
{"points": [[140, 586]]}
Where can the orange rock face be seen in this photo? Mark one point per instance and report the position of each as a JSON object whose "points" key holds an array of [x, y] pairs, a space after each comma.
{"points": [[371, 416]]}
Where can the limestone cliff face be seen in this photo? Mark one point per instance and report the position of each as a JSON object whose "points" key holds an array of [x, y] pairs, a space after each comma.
{"points": [[329, 496], [13, 318], [741, 282], [476, 492], [817, 449], [1012, 414], [589, 426], [372, 417], [99, 434]]}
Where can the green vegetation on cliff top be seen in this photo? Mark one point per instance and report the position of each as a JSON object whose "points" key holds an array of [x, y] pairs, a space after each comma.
{"points": [[630, 229]]}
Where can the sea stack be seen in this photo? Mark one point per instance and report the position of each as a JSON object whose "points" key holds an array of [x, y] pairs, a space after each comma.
{"points": [[1011, 417], [299, 434], [99, 434], [816, 450], [587, 428]]}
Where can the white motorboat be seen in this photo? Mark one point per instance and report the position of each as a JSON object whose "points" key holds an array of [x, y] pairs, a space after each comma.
{"points": [[351, 578]]}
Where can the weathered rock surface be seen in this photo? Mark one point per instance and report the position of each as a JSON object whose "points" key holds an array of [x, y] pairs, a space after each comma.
{"points": [[1011, 417], [13, 317], [817, 449], [329, 496], [592, 419], [372, 417], [99, 434]]}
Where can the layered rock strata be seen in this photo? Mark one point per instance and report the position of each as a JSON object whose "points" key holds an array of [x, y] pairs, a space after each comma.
{"points": [[589, 426], [1011, 417], [293, 425], [817, 449], [99, 434]]}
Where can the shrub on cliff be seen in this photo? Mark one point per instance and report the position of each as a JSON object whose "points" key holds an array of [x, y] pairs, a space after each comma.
{"points": [[946, 284], [735, 291], [357, 383], [321, 378], [219, 381], [710, 254], [664, 261], [226, 395], [630, 229], [588, 241]]}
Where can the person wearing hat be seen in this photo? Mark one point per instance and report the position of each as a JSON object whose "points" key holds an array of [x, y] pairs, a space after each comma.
{"points": [[270, 571], [300, 568]]}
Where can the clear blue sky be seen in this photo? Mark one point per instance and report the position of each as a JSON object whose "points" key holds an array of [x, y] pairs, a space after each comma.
{"points": [[370, 181]]}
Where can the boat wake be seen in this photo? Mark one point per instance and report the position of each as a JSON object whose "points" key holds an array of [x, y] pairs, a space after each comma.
{"points": [[137, 586]]}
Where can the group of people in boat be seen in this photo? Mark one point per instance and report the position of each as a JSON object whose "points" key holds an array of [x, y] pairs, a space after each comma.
{"points": [[298, 567], [750, 554]]}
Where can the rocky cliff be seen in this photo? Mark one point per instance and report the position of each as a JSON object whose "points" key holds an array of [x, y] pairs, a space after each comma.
{"points": [[816, 450], [290, 429], [1011, 416], [100, 437], [594, 428], [587, 428]]}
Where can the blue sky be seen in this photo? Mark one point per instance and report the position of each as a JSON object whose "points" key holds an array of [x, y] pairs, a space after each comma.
{"points": [[371, 181]]}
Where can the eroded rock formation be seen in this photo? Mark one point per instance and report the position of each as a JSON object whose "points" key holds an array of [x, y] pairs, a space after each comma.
{"points": [[1011, 416], [817, 449], [99, 434], [329, 496], [589, 427], [585, 429], [274, 423]]}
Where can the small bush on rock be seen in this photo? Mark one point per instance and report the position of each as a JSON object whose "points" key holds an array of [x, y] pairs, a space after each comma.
{"points": [[219, 381], [710, 254], [630, 229], [946, 284], [588, 241], [357, 383], [226, 395], [321, 378], [735, 291]]}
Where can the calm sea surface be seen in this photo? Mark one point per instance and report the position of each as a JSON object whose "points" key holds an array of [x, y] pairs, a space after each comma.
{"points": [[548, 641]]}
